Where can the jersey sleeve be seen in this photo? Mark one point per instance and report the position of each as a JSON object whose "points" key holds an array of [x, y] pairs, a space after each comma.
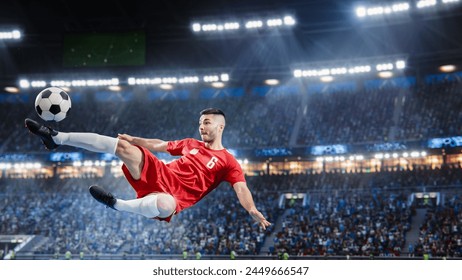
{"points": [[175, 148], [235, 173]]}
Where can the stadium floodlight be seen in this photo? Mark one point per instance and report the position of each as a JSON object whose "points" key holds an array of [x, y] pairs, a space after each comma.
{"points": [[339, 158], [250, 23], [10, 35], [384, 67], [166, 86], [253, 24], [359, 157], [24, 84], [425, 3], [329, 159], [298, 73], [11, 89], [224, 77], [378, 156], [363, 11], [95, 83], [285, 21], [289, 20], [5, 165], [376, 11], [114, 88], [169, 80], [447, 68], [38, 84], [400, 7], [144, 81], [22, 165], [323, 72], [400, 64], [352, 68], [187, 79], [356, 157], [232, 25], [218, 84], [272, 82], [359, 69], [85, 83], [210, 27], [415, 154], [338, 71], [385, 74], [326, 79], [274, 22], [61, 83], [196, 27], [131, 81], [211, 78]]}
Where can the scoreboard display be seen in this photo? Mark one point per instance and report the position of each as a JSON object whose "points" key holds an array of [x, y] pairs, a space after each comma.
{"points": [[104, 49]]}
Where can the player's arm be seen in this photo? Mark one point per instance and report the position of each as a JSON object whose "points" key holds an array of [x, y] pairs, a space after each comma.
{"points": [[154, 145], [245, 198]]}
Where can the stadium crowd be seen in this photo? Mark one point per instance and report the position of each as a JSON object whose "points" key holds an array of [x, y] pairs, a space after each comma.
{"points": [[352, 217], [377, 115], [355, 224], [71, 220], [347, 214], [440, 234]]}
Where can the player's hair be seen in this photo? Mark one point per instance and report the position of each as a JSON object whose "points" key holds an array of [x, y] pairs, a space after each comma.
{"points": [[212, 111]]}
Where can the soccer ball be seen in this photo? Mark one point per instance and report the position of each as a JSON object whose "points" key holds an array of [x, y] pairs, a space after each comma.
{"points": [[53, 104]]}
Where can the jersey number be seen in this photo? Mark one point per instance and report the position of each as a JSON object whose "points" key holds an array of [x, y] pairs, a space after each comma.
{"points": [[212, 162]]}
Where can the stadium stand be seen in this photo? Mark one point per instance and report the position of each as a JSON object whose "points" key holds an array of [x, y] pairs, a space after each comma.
{"points": [[354, 214]]}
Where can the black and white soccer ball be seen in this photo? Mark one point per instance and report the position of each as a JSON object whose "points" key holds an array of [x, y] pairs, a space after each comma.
{"points": [[53, 104]]}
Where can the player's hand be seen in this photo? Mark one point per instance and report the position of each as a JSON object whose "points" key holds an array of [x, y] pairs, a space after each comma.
{"points": [[259, 218], [126, 137]]}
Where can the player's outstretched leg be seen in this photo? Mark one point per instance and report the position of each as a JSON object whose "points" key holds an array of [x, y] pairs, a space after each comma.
{"points": [[103, 196], [85, 140], [44, 132]]}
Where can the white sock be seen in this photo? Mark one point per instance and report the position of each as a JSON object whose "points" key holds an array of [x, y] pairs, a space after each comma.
{"points": [[89, 141], [146, 206]]}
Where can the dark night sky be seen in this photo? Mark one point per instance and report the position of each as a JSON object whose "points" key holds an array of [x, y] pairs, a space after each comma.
{"points": [[325, 30]]}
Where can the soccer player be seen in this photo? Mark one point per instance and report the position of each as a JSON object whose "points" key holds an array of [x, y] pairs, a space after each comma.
{"points": [[163, 189]]}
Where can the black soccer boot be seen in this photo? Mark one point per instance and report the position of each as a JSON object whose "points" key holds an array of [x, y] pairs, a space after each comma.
{"points": [[44, 132], [103, 196]]}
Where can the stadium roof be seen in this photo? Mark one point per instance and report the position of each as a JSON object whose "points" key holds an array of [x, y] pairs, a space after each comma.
{"points": [[325, 30]]}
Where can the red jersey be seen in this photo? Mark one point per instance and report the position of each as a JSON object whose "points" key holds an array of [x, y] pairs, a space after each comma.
{"points": [[201, 169], [189, 178]]}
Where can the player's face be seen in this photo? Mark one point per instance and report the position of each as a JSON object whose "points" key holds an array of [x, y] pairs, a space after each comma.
{"points": [[209, 127]]}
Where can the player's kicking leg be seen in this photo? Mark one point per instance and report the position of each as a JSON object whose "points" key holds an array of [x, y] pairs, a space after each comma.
{"points": [[156, 205], [89, 141], [44, 132]]}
